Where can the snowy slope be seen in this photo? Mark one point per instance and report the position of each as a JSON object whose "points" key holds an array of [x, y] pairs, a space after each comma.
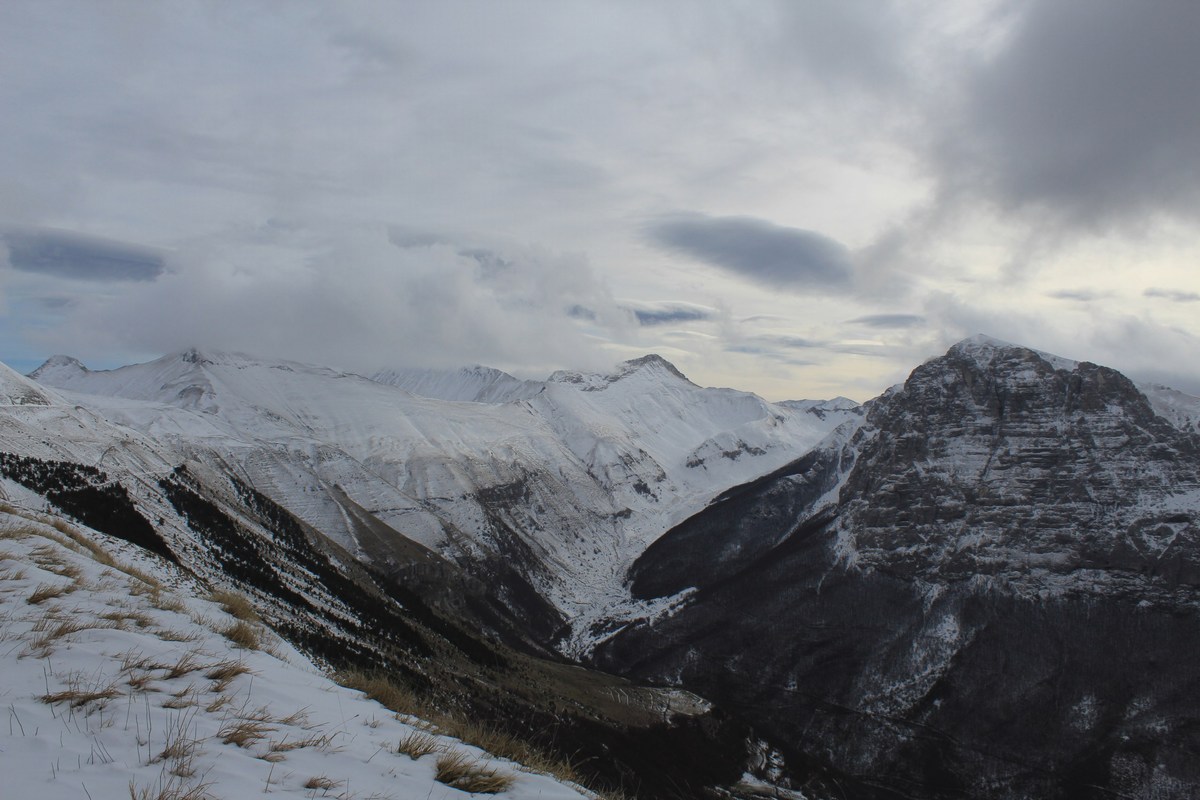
{"points": [[476, 384], [1179, 408], [17, 390], [118, 682], [567, 485]]}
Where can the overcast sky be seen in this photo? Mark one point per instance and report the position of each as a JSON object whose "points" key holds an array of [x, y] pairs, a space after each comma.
{"points": [[802, 199]]}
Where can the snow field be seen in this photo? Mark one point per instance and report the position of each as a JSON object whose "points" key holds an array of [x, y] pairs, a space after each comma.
{"points": [[120, 681]]}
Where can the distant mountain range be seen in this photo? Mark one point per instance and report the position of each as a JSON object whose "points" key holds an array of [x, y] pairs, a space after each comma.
{"points": [[983, 583]]}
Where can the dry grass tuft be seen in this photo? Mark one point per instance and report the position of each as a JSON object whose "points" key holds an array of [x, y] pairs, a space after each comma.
{"points": [[172, 635], [505, 745], [165, 601], [219, 702], [51, 628], [224, 672], [13, 575], [134, 661], [184, 698], [15, 534], [143, 582], [298, 719], [122, 617], [418, 744], [236, 605], [284, 746], [466, 774], [181, 747], [46, 591], [172, 788], [321, 782], [243, 634], [77, 697], [62, 569], [244, 732], [382, 689], [187, 664]]}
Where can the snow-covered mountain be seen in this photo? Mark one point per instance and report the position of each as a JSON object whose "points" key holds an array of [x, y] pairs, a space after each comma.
{"points": [[476, 384], [554, 491], [431, 630]]}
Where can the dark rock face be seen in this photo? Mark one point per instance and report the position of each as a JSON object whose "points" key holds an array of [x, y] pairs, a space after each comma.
{"points": [[1003, 602], [991, 461]]}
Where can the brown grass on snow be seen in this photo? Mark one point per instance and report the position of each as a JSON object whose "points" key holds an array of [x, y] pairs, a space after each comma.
{"points": [[465, 773], [418, 744]]}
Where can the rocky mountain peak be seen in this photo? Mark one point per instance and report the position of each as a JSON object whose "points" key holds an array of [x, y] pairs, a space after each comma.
{"points": [[653, 362], [194, 356], [998, 460]]}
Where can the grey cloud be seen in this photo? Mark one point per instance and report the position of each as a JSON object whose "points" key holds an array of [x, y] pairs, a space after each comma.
{"points": [[581, 312], [1172, 294], [351, 298], [842, 43], [1079, 295], [1087, 114], [889, 320], [649, 315], [410, 237], [795, 342], [772, 345], [765, 351], [773, 255], [64, 254]]}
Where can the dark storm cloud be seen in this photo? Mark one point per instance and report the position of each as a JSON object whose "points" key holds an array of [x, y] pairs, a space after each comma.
{"points": [[889, 320], [63, 254], [1088, 113], [1173, 295], [773, 255]]}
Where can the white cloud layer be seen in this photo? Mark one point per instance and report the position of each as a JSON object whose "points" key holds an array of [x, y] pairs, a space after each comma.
{"points": [[797, 198]]}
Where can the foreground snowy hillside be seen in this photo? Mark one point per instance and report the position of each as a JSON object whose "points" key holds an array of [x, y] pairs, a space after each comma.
{"points": [[118, 681]]}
